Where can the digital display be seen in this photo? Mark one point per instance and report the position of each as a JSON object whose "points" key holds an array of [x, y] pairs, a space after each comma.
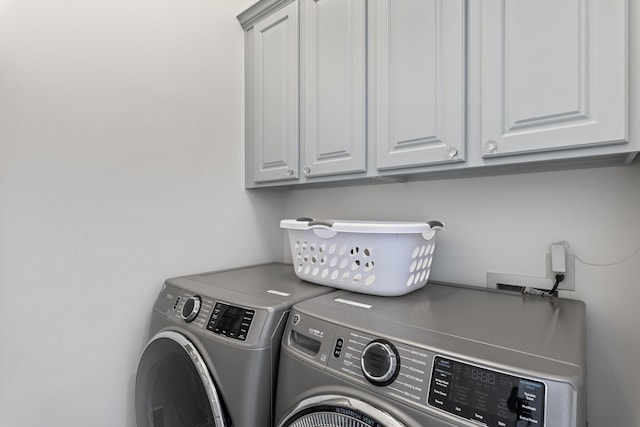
{"points": [[486, 396], [230, 321]]}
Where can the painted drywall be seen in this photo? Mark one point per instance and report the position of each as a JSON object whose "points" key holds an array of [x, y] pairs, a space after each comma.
{"points": [[121, 164]]}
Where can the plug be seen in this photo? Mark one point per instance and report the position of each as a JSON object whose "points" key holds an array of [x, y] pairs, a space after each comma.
{"points": [[558, 258]]}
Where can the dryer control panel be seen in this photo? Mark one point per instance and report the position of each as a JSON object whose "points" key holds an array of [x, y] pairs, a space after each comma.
{"points": [[231, 321], [207, 314]]}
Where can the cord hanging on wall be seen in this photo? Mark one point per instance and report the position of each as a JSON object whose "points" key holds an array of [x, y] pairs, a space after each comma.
{"points": [[595, 264]]}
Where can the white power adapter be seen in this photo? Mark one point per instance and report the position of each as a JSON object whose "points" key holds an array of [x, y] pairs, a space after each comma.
{"points": [[558, 258]]}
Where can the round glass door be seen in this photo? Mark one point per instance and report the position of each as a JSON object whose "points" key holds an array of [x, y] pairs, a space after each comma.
{"points": [[337, 411], [174, 387]]}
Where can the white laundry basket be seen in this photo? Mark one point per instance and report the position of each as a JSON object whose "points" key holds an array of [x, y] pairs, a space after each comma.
{"points": [[380, 258]]}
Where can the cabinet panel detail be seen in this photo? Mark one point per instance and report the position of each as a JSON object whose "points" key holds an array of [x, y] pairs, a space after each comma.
{"points": [[420, 74], [276, 105], [553, 74], [334, 86]]}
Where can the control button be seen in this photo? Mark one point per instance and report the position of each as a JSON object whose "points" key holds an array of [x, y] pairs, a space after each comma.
{"points": [[380, 362], [296, 319], [479, 416], [338, 348], [191, 308]]}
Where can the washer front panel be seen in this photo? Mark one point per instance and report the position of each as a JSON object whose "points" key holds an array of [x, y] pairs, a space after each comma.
{"points": [[414, 381]]}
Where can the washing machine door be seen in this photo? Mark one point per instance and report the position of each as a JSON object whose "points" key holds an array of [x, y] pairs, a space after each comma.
{"points": [[337, 411], [174, 387]]}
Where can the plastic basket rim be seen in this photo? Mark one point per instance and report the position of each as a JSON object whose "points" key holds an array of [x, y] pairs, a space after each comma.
{"points": [[363, 226]]}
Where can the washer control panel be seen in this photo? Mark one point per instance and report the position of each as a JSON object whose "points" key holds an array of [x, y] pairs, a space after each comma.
{"points": [[230, 321], [395, 368], [484, 395], [429, 380]]}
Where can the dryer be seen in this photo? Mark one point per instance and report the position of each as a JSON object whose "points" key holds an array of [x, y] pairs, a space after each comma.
{"points": [[212, 355], [442, 356]]}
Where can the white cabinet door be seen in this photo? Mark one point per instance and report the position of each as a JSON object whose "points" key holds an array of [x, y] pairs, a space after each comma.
{"points": [[553, 74], [334, 98], [275, 86], [420, 82]]}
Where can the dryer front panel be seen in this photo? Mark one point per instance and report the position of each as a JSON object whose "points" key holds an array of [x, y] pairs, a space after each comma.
{"points": [[174, 387]]}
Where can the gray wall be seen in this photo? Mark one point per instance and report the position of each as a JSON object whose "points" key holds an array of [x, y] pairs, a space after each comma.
{"points": [[121, 164]]}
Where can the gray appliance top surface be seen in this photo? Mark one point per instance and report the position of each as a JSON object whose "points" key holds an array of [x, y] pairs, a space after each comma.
{"points": [[442, 314], [267, 286]]}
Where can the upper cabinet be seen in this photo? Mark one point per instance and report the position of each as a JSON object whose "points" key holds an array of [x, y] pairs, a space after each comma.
{"points": [[394, 89], [419, 73], [275, 102], [334, 86], [554, 75]]}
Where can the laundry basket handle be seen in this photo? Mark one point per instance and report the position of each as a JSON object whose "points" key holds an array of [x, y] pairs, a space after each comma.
{"points": [[321, 223], [436, 225]]}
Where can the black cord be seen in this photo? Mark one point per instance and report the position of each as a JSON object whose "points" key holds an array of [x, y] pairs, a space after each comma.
{"points": [[559, 278]]}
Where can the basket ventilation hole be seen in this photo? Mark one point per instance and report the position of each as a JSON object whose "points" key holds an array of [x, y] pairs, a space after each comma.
{"points": [[367, 252], [304, 246], [419, 264], [422, 275], [414, 254], [342, 250], [334, 274], [297, 244], [345, 276], [332, 249], [322, 248], [410, 281], [323, 260], [422, 249], [344, 263], [368, 266], [333, 262], [325, 273], [433, 248], [314, 260], [305, 258], [357, 278], [417, 279], [355, 265], [370, 280], [298, 256], [312, 247], [429, 263], [355, 250], [300, 267], [307, 269], [413, 266], [315, 271]]}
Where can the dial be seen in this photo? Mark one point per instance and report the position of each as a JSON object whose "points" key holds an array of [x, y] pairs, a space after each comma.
{"points": [[380, 362], [191, 308]]}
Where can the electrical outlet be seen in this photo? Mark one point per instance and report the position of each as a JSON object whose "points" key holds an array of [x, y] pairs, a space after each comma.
{"points": [[569, 282]]}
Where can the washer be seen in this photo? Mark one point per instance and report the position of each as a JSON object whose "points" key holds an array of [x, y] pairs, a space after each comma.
{"points": [[442, 356], [211, 359]]}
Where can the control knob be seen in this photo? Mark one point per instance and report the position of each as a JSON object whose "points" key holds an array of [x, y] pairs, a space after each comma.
{"points": [[380, 362], [191, 308]]}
